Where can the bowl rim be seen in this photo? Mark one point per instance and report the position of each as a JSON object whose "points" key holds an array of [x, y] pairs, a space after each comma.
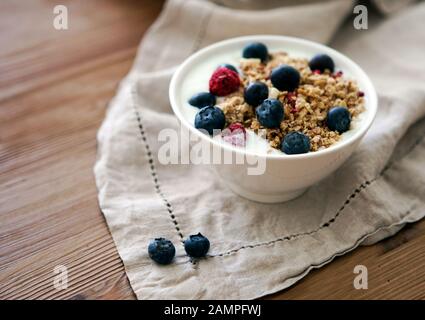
{"points": [[372, 102]]}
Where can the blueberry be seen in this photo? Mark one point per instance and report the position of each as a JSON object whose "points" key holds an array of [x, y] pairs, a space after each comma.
{"points": [[321, 62], [338, 119], [255, 50], [197, 245], [270, 113], [210, 118], [202, 99], [161, 250], [285, 78], [295, 143], [256, 93], [228, 66]]}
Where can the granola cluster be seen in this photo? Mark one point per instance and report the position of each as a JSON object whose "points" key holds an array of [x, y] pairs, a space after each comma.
{"points": [[305, 109]]}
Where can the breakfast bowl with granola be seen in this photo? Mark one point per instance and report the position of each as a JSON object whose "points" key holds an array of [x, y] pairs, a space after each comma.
{"points": [[296, 108]]}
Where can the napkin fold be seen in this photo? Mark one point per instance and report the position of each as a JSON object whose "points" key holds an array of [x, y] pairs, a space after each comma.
{"points": [[257, 249]]}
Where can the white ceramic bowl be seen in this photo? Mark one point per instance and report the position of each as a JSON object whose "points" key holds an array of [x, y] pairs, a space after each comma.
{"points": [[285, 176]]}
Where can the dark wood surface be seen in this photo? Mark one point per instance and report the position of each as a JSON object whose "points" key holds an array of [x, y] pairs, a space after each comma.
{"points": [[54, 87]]}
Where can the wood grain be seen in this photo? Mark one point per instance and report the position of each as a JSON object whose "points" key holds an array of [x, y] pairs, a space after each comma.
{"points": [[54, 87]]}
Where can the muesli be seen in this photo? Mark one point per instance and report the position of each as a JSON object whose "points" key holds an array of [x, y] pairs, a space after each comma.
{"points": [[297, 105]]}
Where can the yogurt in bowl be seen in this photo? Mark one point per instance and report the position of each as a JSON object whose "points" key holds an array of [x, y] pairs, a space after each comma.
{"points": [[289, 168]]}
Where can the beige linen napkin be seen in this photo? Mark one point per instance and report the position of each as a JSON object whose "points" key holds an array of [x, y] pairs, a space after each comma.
{"points": [[257, 249]]}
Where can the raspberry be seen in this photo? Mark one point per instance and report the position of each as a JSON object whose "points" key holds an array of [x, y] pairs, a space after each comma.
{"points": [[238, 127], [360, 94], [224, 81], [235, 134]]}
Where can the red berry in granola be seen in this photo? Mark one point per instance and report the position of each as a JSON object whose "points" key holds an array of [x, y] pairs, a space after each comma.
{"points": [[235, 134], [337, 74], [237, 127], [224, 81], [291, 99]]}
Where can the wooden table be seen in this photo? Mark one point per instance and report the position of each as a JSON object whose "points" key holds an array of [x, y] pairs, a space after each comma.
{"points": [[54, 86]]}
